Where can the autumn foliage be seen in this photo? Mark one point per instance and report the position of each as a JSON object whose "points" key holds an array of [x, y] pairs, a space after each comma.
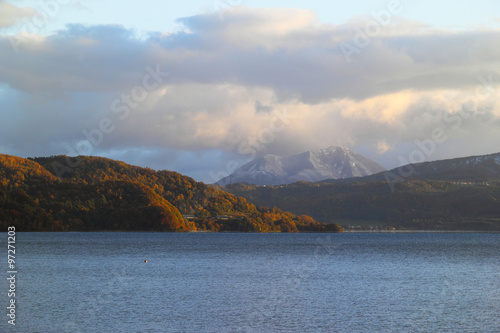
{"points": [[61, 193]]}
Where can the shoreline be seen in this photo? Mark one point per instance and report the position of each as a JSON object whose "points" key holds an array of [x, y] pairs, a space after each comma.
{"points": [[285, 233], [420, 231]]}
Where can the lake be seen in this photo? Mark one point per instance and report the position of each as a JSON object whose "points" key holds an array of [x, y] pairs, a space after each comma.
{"points": [[236, 282]]}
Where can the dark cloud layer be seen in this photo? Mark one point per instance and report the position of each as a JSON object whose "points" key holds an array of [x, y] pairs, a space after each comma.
{"points": [[297, 61]]}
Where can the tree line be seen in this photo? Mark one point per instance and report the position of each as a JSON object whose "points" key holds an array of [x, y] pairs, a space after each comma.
{"points": [[103, 194]]}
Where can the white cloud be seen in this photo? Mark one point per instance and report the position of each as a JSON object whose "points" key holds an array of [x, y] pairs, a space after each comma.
{"points": [[382, 147], [11, 14]]}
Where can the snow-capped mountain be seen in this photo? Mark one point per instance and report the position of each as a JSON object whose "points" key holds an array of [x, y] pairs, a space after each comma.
{"points": [[312, 166]]}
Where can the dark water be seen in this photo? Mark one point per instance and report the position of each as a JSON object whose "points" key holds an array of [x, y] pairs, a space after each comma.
{"points": [[99, 282]]}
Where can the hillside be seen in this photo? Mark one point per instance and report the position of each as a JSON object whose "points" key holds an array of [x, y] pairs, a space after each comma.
{"points": [[91, 193], [476, 169], [312, 166], [408, 205]]}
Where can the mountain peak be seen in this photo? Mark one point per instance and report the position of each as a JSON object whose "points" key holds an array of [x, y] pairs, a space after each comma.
{"points": [[333, 162]]}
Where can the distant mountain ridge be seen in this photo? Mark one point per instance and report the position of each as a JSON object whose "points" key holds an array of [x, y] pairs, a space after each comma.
{"points": [[468, 169], [472, 168], [455, 194], [312, 166]]}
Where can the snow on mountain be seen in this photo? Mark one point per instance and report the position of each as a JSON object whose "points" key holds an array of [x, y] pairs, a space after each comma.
{"points": [[312, 166]]}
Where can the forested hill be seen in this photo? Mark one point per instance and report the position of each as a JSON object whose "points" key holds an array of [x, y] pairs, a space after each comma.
{"points": [[60, 193], [408, 205]]}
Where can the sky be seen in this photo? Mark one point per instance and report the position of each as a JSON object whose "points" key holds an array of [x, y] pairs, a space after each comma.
{"points": [[202, 87]]}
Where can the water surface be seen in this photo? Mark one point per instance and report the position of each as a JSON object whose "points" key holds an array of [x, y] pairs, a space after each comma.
{"points": [[204, 282]]}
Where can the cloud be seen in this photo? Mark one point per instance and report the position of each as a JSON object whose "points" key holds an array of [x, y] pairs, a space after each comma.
{"points": [[245, 28], [11, 14], [287, 51], [98, 59], [382, 147], [227, 78]]}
